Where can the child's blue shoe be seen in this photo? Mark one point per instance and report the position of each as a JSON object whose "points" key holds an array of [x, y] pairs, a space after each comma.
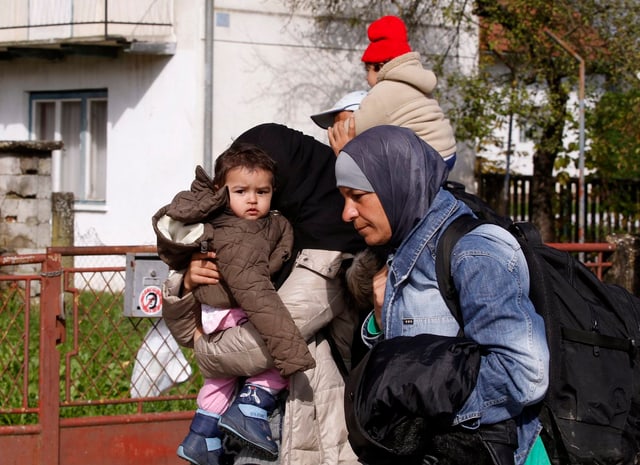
{"points": [[247, 419], [203, 444]]}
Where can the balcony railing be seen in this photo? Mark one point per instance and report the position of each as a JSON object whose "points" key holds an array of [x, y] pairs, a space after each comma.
{"points": [[140, 25]]}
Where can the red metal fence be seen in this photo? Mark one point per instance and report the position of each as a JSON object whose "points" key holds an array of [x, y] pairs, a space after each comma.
{"points": [[69, 361]]}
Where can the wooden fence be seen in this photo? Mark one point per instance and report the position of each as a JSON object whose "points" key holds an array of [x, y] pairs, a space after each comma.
{"points": [[602, 216]]}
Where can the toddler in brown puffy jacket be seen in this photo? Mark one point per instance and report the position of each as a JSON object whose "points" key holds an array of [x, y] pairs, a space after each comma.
{"points": [[231, 215]]}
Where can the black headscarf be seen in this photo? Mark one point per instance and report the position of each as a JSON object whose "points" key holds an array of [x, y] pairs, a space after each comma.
{"points": [[306, 192], [404, 171]]}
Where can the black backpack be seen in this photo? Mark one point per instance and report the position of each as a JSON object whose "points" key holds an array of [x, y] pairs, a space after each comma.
{"points": [[591, 412]]}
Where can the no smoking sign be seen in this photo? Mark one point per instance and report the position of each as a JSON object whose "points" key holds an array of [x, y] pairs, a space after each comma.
{"points": [[150, 300]]}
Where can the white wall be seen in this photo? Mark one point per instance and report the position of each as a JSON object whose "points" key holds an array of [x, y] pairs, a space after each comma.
{"points": [[266, 69]]}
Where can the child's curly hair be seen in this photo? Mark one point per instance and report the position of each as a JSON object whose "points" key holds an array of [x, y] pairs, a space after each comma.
{"points": [[243, 155]]}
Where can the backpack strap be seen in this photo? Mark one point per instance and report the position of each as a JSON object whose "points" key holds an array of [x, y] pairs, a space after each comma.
{"points": [[447, 241]]}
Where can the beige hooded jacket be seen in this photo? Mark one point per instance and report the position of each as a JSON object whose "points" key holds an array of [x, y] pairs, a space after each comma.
{"points": [[313, 427], [403, 96]]}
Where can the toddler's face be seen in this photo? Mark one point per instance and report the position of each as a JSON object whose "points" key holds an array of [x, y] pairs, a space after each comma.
{"points": [[250, 192]]}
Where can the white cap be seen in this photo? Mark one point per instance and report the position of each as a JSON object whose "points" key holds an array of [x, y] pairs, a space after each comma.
{"points": [[350, 102]]}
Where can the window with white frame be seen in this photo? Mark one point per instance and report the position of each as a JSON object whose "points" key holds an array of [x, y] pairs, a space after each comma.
{"points": [[79, 120]]}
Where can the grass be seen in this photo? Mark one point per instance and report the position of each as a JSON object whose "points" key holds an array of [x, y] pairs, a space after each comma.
{"points": [[18, 357]]}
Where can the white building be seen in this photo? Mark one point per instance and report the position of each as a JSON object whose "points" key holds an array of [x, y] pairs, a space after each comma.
{"points": [[142, 91]]}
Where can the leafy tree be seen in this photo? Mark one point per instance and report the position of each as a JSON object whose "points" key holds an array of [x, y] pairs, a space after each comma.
{"points": [[614, 152], [525, 70], [615, 136]]}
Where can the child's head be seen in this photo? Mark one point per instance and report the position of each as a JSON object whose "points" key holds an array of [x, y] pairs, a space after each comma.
{"points": [[388, 40], [249, 174]]}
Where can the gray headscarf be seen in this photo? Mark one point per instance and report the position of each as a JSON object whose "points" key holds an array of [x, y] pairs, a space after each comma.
{"points": [[403, 170]]}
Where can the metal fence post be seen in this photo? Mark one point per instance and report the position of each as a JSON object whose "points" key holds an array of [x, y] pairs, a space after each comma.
{"points": [[51, 334]]}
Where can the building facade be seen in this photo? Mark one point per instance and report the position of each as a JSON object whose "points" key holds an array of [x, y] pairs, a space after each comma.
{"points": [[142, 92]]}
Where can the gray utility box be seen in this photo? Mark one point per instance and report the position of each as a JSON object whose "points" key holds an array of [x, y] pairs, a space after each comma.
{"points": [[145, 274]]}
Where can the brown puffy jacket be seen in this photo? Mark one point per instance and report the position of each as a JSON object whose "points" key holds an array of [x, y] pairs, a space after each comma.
{"points": [[247, 253]]}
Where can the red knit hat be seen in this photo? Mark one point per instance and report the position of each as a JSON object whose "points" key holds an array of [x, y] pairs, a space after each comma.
{"points": [[388, 36]]}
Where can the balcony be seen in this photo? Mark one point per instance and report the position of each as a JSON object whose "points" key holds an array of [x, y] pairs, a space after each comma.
{"points": [[57, 28]]}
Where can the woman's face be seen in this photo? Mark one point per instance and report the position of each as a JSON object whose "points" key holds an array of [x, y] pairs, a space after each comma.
{"points": [[365, 211]]}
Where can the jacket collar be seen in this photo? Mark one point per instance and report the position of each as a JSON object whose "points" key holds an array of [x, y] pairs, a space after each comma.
{"points": [[425, 234]]}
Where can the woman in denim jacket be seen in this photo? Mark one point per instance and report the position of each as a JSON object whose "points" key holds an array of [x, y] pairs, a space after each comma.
{"points": [[392, 184]]}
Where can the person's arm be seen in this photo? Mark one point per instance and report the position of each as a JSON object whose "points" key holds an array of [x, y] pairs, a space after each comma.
{"points": [[237, 351], [180, 309], [492, 278], [313, 294], [375, 108], [370, 332], [379, 286], [179, 312], [244, 263]]}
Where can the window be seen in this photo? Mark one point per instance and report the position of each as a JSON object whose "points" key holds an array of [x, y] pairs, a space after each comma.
{"points": [[523, 133], [79, 119]]}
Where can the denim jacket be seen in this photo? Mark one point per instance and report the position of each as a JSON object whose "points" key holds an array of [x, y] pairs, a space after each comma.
{"points": [[492, 278]]}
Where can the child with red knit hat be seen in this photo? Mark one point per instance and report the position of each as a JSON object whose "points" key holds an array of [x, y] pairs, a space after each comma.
{"points": [[401, 92]]}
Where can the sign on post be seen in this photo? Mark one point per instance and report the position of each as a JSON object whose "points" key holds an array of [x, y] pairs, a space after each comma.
{"points": [[145, 274]]}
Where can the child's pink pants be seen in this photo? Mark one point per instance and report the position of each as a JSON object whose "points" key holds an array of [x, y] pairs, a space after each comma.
{"points": [[216, 394]]}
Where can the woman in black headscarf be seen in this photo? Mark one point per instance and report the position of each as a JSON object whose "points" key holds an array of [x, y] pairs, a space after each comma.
{"points": [[313, 426], [305, 191]]}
